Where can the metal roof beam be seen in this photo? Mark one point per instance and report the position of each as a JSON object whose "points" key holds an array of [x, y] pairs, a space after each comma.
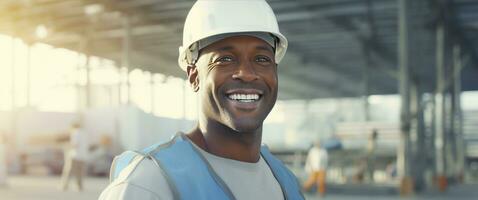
{"points": [[305, 10], [375, 47], [321, 74]]}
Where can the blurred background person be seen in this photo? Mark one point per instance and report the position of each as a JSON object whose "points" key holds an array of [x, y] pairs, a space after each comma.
{"points": [[76, 155], [316, 167], [371, 148]]}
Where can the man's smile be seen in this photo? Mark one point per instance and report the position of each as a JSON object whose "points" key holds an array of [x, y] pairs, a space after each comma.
{"points": [[244, 98]]}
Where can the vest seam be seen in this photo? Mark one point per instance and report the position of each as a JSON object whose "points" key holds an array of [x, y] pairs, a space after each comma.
{"points": [[146, 189], [134, 168], [162, 146], [137, 186], [172, 185], [113, 167], [150, 154], [284, 192], [213, 173]]}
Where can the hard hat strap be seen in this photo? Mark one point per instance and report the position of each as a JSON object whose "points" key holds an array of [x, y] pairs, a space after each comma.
{"points": [[192, 54]]}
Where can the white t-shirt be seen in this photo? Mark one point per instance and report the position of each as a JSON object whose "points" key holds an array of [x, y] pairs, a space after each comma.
{"points": [[80, 145], [247, 181], [316, 160]]}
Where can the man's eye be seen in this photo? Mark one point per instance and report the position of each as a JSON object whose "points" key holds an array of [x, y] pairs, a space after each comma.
{"points": [[225, 59], [263, 59]]}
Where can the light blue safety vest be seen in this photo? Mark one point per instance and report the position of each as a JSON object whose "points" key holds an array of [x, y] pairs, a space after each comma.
{"points": [[190, 176]]}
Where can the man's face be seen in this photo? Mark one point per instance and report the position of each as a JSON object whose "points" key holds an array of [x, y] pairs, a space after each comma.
{"points": [[237, 82]]}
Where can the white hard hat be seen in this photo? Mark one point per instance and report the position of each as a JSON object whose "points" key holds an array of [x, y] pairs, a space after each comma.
{"points": [[215, 17]]}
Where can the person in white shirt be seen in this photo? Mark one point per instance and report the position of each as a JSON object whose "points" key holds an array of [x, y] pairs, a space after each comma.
{"points": [[316, 167], [75, 157]]}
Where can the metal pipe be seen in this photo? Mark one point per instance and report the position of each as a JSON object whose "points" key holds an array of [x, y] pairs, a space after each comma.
{"points": [[28, 79], [458, 114], [404, 59], [366, 84], [439, 101], [404, 87], [13, 74]]}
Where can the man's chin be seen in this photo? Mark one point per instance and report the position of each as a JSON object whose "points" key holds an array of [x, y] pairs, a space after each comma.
{"points": [[246, 126]]}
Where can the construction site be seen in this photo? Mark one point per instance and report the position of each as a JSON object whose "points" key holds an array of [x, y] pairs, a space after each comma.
{"points": [[388, 87]]}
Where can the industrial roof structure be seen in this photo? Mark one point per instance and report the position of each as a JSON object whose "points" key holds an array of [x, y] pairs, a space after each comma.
{"points": [[338, 48]]}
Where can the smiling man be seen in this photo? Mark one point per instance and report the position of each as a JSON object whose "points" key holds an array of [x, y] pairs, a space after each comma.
{"points": [[231, 50]]}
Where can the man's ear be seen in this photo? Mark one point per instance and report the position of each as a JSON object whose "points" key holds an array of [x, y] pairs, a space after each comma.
{"points": [[193, 77]]}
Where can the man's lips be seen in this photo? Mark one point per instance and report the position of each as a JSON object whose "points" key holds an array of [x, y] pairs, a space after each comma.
{"points": [[244, 98], [244, 91]]}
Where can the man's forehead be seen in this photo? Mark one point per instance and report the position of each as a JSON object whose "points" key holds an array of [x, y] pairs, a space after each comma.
{"points": [[231, 43], [266, 37]]}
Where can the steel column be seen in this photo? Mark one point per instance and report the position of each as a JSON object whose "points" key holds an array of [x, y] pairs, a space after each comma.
{"points": [[404, 56], [88, 102], [28, 79], [457, 113], [152, 86], [126, 54], [440, 107]]}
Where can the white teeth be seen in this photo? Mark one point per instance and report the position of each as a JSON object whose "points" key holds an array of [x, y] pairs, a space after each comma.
{"points": [[244, 97]]}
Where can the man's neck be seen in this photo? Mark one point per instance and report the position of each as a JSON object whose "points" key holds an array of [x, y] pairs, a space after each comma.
{"points": [[222, 141]]}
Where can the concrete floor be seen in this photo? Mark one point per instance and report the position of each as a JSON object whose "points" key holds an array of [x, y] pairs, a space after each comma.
{"points": [[380, 192], [43, 188], [47, 187]]}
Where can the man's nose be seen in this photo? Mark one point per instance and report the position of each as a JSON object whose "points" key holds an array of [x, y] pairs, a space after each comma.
{"points": [[245, 72]]}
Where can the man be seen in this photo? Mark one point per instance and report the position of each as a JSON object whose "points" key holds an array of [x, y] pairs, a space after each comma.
{"points": [[316, 166], [230, 53], [75, 157]]}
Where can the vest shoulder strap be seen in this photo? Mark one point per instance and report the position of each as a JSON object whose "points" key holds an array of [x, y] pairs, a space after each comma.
{"points": [[287, 180], [122, 161], [189, 172]]}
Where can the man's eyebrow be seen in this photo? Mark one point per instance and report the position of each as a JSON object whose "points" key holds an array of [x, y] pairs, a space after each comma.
{"points": [[261, 47], [225, 48], [266, 48]]}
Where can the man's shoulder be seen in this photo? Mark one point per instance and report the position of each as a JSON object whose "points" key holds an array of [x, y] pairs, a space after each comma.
{"points": [[142, 175], [141, 170], [145, 169]]}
